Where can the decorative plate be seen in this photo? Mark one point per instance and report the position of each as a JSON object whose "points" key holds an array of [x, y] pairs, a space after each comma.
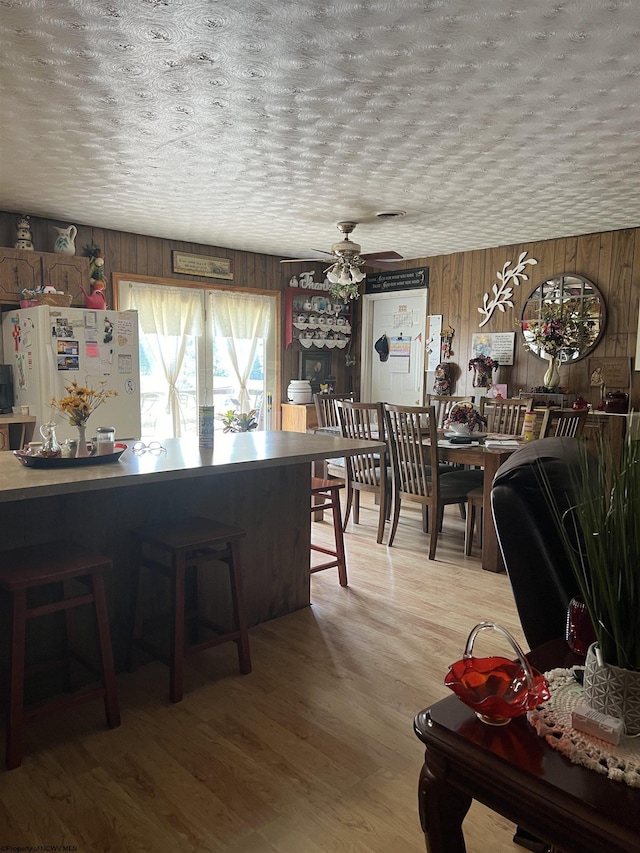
{"points": [[66, 462]]}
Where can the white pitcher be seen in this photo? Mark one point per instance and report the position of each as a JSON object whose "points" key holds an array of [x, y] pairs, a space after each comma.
{"points": [[65, 241]]}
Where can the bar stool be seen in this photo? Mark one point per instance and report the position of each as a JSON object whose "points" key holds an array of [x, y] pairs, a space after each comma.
{"points": [[188, 545], [35, 567], [330, 491]]}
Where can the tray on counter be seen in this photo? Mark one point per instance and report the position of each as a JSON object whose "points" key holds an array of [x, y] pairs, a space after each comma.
{"points": [[68, 462]]}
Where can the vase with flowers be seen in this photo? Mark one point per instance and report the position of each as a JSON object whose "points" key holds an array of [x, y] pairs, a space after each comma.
{"points": [[483, 367], [78, 404], [561, 330], [464, 419]]}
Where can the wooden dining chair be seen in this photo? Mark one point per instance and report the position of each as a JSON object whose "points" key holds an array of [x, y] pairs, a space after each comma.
{"points": [[412, 437], [558, 422], [443, 405], [327, 417], [366, 472], [505, 415], [326, 411]]}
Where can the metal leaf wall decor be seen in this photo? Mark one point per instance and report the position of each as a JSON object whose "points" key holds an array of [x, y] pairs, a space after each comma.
{"points": [[502, 291]]}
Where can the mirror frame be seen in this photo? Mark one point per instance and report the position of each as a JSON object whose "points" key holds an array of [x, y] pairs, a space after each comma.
{"points": [[566, 284]]}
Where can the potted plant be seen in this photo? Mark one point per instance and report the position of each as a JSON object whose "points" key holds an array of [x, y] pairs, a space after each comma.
{"points": [[601, 537], [239, 421], [464, 418]]}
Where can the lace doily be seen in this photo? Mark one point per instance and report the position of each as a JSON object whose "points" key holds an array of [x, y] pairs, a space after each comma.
{"points": [[553, 722]]}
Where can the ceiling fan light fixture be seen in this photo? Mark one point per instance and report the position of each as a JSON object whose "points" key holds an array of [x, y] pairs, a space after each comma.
{"points": [[332, 274]]}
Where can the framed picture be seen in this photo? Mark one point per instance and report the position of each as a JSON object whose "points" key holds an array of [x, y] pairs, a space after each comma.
{"points": [[316, 367]]}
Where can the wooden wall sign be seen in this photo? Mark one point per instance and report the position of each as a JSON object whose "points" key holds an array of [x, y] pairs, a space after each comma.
{"points": [[385, 282], [203, 265], [610, 371]]}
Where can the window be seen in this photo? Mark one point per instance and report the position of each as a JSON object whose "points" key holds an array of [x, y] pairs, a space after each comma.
{"points": [[201, 347]]}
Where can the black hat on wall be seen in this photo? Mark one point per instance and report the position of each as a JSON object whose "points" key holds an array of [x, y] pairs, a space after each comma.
{"points": [[382, 347]]}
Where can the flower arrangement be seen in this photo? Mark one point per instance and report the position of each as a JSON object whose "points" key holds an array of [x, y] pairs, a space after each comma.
{"points": [[562, 327], [465, 414], [80, 402], [96, 263]]}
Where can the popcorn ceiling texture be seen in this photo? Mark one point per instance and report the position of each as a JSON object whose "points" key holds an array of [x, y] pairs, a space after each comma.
{"points": [[257, 124]]}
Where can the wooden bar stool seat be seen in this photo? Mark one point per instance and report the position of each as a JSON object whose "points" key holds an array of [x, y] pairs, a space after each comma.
{"points": [[329, 491], [188, 546], [41, 566]]}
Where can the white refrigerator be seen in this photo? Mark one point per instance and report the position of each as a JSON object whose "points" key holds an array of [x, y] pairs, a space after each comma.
{"points": [[51, 347]]}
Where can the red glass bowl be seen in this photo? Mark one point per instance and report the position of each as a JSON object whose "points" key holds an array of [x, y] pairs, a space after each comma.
{"points": [[496, 688]]}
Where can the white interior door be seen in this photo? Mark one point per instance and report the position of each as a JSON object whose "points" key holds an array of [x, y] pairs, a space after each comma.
{"points": [[402, 317]]}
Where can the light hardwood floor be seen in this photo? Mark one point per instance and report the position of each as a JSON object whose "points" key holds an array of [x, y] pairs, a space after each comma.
{"points": [[313, 752]]}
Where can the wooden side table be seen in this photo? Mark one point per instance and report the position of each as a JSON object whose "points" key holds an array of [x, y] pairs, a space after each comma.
{"points": [[297, 417], [517, 774]]}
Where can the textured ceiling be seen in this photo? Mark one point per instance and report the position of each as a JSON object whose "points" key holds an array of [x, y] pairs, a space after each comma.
{"points": [[258, 124]]}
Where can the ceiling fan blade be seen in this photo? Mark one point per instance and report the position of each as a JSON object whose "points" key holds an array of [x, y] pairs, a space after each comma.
{"points": [[302, 260], [382, 256]]}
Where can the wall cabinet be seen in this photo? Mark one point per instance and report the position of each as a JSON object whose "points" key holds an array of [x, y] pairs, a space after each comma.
{"points": [[20, 269], [316, 319]]}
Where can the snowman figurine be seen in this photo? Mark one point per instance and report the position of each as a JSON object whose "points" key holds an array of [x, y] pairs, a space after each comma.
{"points": [[23, 234]]}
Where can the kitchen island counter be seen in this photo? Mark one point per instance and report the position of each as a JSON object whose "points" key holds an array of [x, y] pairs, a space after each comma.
{"points": [[259, 481]]}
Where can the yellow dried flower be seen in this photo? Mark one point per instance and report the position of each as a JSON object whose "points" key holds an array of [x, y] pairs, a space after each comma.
{"points": [[80, 402]]}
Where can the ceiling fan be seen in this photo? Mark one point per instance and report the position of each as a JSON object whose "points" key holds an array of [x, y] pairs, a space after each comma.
{"points": [[346, 251]]}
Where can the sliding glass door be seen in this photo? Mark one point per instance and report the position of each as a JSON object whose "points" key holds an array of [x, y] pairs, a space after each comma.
{"points": [[202, 347]]}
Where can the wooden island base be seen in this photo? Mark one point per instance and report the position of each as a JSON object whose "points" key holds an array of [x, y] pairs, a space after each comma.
{"points": [[260, 482]]}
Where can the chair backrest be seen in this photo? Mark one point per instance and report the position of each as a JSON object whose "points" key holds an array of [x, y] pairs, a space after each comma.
{"points": [[414, 464], [443, 405], [363, 421], [541, 577], [505, 415], [558, 422], [326, 412]]}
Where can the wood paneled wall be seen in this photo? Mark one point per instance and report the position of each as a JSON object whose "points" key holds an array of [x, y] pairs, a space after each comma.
{"points": [[457, 283], [611, 260], [137, 254]]}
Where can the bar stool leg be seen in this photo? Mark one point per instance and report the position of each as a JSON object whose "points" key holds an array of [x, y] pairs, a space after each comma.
{"points": [[16, 689], [176, 676], [111, 707], [237, 596]]}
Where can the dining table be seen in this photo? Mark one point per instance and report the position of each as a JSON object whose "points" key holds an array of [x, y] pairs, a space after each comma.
{"points": [[478, 454], [488, 457]]}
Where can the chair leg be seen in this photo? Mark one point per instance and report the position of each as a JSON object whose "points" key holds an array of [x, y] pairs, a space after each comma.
{"points": [[15, 720], [356, 507], [240, 613], [435, 512], [382, 512], [340, 553], [468, 532], [395, 512], [111, 708], [176, 677], [347, 511]]}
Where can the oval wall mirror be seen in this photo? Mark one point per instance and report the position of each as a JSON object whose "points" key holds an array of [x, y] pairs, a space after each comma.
{"points": [[564, 317]]}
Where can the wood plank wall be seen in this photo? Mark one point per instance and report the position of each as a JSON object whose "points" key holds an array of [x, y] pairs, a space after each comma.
{"points": [[457, 283], [138, 254], [611, 260]]}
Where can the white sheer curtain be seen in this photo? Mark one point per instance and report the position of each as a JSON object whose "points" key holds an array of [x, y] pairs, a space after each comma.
{"points": [[168, 316], [242, 320]]}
